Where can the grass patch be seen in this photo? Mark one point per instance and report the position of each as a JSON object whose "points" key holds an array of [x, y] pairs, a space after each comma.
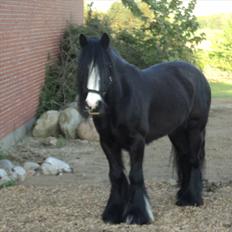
{"points": [[7, 184], [221, 89], [220, 81], [61, 142]]}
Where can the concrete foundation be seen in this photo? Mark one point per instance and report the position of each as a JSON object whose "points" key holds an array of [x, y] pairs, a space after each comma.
{"points": [[14, 137]]}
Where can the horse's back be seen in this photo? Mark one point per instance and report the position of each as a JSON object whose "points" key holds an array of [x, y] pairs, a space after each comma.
{"points": [[178, 92], [174, 69], [180, 78]]}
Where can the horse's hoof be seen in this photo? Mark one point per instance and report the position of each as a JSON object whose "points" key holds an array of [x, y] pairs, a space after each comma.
{"points": [[187, 199], [137, 219], [189, 203], [113, 214], [136, 216]]}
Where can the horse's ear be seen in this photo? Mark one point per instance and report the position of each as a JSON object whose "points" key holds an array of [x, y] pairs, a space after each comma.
{"points": [[105, 40], [83, 40]]}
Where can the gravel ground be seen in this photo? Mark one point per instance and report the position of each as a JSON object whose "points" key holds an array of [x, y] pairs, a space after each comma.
{"points": [[74, 202], [77, 208]]}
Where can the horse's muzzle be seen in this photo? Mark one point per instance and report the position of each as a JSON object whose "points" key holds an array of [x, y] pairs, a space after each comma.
{"points": [[98, 110]]}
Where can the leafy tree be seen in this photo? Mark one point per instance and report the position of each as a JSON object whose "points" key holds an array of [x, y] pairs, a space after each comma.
{"points": [[167, 31], [216, 22], [221, 56]]}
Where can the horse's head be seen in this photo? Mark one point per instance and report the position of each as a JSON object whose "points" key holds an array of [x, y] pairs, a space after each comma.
{"points": [[95, 73]]}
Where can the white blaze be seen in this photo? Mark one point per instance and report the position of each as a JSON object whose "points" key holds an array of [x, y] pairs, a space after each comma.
{"points": [[93, 84]]}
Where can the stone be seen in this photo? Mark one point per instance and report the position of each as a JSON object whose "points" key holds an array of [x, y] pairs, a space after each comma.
{"points": [[47, 124], [49, 169], [54, 166], [31, 168], [87, 131], [69, 120], [4, 178], [7, 165], [18, 173], [49, 141]]}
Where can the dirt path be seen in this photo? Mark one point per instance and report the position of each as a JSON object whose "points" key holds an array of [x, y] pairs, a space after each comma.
{"points": [[74, 202]]}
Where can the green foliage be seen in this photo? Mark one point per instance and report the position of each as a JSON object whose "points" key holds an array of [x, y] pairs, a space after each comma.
{"points": [[202, 57], [214, 21], [133, 7], [218, 30], [167, 31], [221, 56]]}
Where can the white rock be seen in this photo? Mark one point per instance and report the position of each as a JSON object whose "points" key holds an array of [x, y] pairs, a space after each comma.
{"points": [[13, 176], [3, 177], [7, 165], [18, 173], [47, 124], [54, 166], [48, 169], [3, 173], [69, 120], [87, 131]]}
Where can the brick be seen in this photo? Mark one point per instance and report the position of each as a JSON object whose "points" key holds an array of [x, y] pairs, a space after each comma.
{"points": [[29, 30]]}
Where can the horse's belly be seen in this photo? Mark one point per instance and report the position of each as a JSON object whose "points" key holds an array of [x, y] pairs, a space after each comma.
{"points": [[163, 126], [152, 135]]}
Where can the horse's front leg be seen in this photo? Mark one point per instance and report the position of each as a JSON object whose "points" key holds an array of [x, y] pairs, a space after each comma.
{"points": [[118, 198], [138, 209]]}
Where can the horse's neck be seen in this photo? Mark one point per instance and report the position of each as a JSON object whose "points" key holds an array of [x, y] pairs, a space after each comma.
{"points": [[128, 80], [120, 61], [127, 73]]}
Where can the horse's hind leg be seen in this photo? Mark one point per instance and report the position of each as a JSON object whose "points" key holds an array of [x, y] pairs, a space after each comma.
{"points": [[117, 201], [138, 210], [189, 147], [193, 195]]}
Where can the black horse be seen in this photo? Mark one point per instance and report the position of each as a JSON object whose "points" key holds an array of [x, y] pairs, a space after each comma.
{"points": [[131, 108]]}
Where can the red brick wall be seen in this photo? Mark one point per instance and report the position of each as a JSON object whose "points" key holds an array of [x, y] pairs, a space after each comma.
{"points": [[29, 30]]}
